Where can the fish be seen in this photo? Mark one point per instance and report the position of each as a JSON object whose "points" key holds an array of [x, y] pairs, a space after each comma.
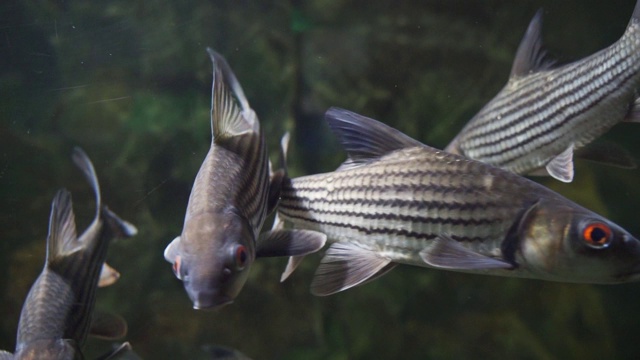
{"points": [[398, 201], [232, 194], [547, 114], [57, 315]]}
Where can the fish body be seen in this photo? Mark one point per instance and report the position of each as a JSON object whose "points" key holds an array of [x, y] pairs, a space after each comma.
{"points": [[397, 201], [231, 196], [546, 113], [57, 314]]}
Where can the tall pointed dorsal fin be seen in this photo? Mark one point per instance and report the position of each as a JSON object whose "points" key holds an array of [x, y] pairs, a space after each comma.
{"points": [[636, 12], [531, 55], [363, 138], [231, 114], [62, 227]]}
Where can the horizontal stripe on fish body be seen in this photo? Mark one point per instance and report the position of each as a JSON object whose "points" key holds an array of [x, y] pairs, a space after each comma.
{"points": [[538, 115], [396, 200], [410, 205]]}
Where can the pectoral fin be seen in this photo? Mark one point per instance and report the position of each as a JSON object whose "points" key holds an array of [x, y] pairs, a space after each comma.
{"points": [[172, 250], [289, 243], [107, 326], [108, 275], [561, 166], [346, 265], [446, 253]]}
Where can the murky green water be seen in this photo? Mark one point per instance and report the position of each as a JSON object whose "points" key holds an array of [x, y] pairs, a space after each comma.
{"points": [[130, 83]]}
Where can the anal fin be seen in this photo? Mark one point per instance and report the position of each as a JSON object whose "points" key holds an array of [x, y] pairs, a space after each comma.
{"points": [[446, 253], [346, 265]]}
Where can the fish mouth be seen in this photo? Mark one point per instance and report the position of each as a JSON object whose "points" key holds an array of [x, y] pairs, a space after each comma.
{"points": [[212, 305]]}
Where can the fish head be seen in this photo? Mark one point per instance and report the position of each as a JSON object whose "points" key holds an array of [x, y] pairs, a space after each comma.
{"points": [[212, 257], [61, 349], [564, 242]]}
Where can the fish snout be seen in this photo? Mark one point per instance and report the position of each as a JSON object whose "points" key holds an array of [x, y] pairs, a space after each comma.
{"points": [[208, 299]]}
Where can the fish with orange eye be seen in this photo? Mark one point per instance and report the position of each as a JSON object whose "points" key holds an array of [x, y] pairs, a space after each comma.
{"points": [[398, 201], [597, 235]]}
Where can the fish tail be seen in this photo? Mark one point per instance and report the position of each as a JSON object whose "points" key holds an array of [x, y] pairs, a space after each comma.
{"points": [[119, 227], [83, 162]]}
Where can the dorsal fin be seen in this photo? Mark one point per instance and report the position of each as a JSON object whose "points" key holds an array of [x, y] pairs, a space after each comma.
{"points": [[636, 11], [531, 55], [363, 138], [227, 118], [62, 227]]}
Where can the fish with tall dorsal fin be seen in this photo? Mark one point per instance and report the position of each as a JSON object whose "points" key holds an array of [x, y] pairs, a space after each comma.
{"points": [[397, 201], [232, 194], [547, 114], [57, 315]]}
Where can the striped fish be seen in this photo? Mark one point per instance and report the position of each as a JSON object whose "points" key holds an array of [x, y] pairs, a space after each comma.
{"points": [[546, 113], [397, 201], [231, 196], [58, 313]]}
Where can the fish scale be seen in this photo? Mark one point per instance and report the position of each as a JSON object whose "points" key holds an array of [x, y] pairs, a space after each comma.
{"points": [[396, 201], [416, 203], [57, 315], [231, 196], [544, 109]]}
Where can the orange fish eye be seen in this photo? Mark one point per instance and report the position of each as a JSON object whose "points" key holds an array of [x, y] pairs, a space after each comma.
{"points": [[597, 235], [241, 257]]}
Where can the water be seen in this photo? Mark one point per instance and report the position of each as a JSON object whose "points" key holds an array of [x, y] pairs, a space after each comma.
{"points": [[130, 83]]}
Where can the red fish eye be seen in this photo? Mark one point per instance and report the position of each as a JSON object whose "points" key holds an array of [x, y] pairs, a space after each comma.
{"points": [[241, 257], [597, 235], [176, 266]]}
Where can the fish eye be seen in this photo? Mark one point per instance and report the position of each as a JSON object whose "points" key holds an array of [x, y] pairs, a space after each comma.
{"points": [[176, 267], [597, 235], [241, 257]]}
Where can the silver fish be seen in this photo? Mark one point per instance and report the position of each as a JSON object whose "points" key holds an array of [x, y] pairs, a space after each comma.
{"points": [[57, 314], [546, 113], [231, 196], [398, 201]]}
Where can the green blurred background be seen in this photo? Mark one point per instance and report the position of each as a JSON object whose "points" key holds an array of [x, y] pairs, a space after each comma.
{"points": [[130, 82]]}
